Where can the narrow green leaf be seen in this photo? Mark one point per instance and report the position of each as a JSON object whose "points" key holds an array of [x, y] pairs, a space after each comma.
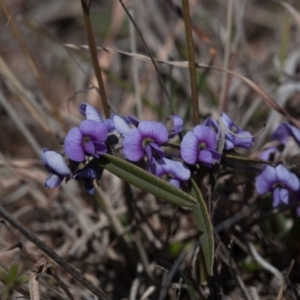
{"points": [[204, 226], [146, 181]]}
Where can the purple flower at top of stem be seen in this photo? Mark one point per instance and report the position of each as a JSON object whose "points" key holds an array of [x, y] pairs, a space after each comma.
{"points": [[234, 135], [146, 139], [278, 180], [87, 139], [92, 114], [56, 165], [200, 145], [173, 171], [284, 131]]}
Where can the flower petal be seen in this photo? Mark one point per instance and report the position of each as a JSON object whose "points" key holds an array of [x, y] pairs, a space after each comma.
{"points": [[154, 130], [100, 148], [281, 133], [157, 150], [174, 168], [205, 157], [206, 135], [55, 163], [287, 178], [90, 112], [89, 148], [132, 145], [93, 129], [53, 181], [109, 124], [284, 196], [73, 145], [276, 197], [189, 148], [243, 139], [121, 124], [175, 182], [264, 182]]}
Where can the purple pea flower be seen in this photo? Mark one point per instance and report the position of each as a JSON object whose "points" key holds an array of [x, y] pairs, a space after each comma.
{"points": [[92, 114], [284, 131], [146, 139], [200, 145], [174, 125], [173, 171], [90, 172], [270, 153], [87, 139], [278, 180], [240, 138], [56, 165]]}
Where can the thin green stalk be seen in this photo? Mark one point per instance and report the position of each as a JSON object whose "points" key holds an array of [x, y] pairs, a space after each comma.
{"points": [[93, 50], [191, 57]]}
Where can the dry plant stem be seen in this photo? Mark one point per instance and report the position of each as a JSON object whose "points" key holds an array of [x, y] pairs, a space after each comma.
{"points": [[93, 50], [53, 255], [32, 65], [191, 57], [20, 124], [226, 54], [61, 284], [150, 55], [286, 277], [135, 64], [183, 64], [26, 98]]}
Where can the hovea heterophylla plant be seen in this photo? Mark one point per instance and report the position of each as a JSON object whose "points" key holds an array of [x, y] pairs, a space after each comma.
{"points": [[145, 160]]}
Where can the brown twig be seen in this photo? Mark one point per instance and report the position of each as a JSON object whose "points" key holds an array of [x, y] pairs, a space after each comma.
{"points": [[52, 254], [93, 50]]}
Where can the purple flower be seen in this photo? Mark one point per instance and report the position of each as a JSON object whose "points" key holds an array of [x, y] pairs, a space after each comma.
{"points": [[55, 164], [172, 171], [122, 124], [92, 114], [87, 139], [145, 140], [174, 125], [90, 172], [239, 138], [271, 154], [278, 180], [284, 131], [200, 145]]}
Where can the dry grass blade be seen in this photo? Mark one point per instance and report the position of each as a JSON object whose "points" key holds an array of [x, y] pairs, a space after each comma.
{"points": [[52, 254], [21, 125], [28, 102], [34, 286], [291, 10], [183, 64], [32, 64]]}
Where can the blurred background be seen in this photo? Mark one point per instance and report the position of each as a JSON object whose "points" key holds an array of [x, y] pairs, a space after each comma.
{"points": [[118, 236]]}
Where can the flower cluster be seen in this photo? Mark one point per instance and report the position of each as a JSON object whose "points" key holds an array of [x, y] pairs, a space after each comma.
{"points": [[139, 141], [284, 184]]}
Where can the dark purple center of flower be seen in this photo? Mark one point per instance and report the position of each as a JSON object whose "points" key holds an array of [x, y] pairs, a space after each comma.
{"points": [[202, 146], [146, 142], [277, 185]]}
